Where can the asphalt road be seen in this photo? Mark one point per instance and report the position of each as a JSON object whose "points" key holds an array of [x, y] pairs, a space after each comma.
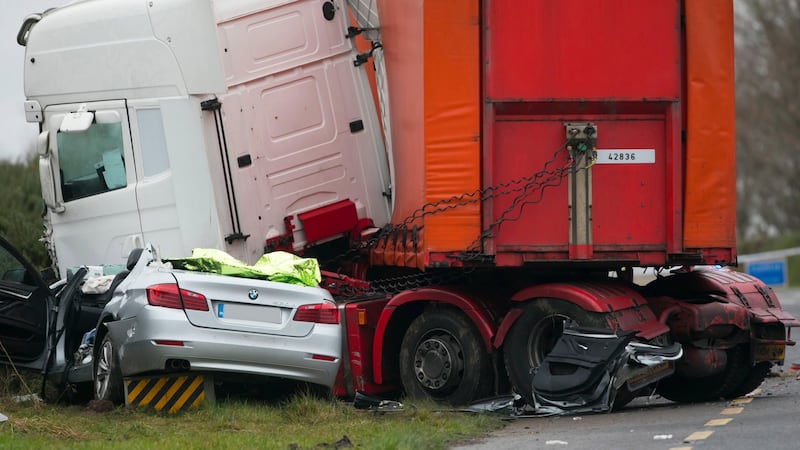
{"points": [[765, 419]]}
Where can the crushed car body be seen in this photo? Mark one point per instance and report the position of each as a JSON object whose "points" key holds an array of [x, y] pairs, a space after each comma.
{"points": [[155, 319], [591, 370]]}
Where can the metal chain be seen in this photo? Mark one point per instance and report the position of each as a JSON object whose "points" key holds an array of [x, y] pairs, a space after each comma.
{"points": [[535, 184], [524, 187]]}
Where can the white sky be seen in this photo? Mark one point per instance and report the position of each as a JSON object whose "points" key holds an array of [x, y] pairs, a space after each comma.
{"points": [[16, 135]]}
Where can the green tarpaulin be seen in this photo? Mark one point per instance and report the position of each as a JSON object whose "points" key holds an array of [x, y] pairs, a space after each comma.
{"points": [[276, 266]]}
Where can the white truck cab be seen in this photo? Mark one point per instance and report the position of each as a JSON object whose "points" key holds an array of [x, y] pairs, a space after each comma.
{"points": [[199, 123]]}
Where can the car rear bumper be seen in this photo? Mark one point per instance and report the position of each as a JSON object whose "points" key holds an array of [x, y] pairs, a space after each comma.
{"points": [[146, 343]]}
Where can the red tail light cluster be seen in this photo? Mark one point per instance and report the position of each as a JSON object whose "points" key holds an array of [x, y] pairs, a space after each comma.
{"points": [[317, 313], [169, 296]]}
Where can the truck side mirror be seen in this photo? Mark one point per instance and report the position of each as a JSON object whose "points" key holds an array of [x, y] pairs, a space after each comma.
{"points": [[46, 178], [41, 143]]}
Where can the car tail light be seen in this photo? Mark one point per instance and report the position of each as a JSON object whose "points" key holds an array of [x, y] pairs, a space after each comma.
{"points": [[317, 313], [169, 296], [167, 342]]}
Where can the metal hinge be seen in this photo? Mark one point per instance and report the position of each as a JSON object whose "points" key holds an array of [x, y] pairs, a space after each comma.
{"points": [[210, 105], [233, 237], [364, 57]]}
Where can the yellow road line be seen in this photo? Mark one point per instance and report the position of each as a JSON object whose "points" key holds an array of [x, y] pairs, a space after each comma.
{"points": [[717, 422], [699, 435]]}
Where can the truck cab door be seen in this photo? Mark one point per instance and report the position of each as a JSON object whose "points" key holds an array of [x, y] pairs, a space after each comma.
{"points": [[95, 219]]}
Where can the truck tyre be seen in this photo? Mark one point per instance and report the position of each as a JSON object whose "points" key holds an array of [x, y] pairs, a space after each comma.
{"points": [[755, 377], [737, 377], [107, 373], [443, 358], [534, 334]]}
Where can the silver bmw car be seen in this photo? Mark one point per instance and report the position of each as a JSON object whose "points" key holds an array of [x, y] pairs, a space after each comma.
{"points": [[154, 319]]}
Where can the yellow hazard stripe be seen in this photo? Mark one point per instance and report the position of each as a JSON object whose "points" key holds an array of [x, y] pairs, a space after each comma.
{"points": [[161, 382], [199, 399], [186, 395], [171, 394], [137, 389]]}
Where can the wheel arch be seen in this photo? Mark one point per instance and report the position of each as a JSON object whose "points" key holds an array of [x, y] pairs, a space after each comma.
{"points": [[101, 331], [405, 307], [735, 287], [600, 297]]}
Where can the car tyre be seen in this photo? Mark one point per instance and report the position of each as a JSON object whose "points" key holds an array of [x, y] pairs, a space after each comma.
{"points": [[107, 373]]}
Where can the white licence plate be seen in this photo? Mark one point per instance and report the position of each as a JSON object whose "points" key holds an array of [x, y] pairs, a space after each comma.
{"points": [[626, 156], [250, 313]]}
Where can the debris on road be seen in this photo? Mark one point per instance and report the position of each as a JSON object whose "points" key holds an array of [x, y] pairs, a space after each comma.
{"points": [[587, 371], [371, 403]]}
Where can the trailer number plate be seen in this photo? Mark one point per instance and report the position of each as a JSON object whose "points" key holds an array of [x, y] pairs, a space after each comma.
{"points": [[769, 352], [626, 156]]}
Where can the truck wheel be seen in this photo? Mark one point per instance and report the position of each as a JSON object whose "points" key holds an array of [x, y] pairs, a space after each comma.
{"points": [[736, 377], [755, 377], [107, 374], [442, 357], [534, 334]]}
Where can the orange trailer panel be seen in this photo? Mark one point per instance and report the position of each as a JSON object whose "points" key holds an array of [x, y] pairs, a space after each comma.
{"points": [[432, 52], [452, 120], [710, 189]]}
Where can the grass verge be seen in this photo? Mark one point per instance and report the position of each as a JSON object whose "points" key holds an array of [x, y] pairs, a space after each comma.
{"points": [[297, 422]]}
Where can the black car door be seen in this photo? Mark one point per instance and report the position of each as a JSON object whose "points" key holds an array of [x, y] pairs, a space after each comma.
{"points": [[25, 303]]}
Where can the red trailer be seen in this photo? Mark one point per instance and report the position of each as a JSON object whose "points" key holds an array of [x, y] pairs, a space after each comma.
{"points": [[540, 146]]}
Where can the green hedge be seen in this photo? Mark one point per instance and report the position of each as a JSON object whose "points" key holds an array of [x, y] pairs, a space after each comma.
{"points": [[21, 211]]}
